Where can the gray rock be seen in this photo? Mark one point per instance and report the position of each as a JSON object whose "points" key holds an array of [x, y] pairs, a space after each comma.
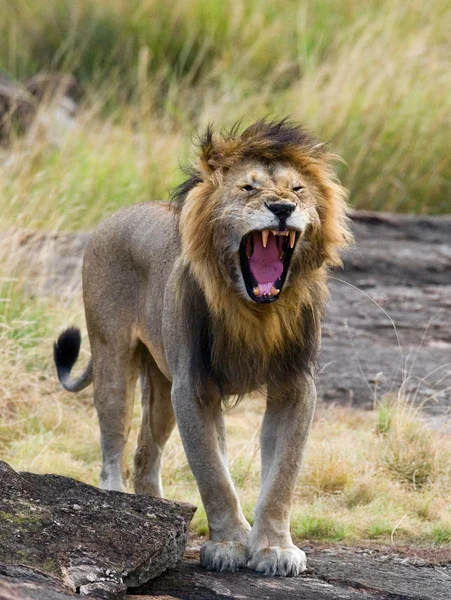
{"points": [[333, 574], [97, 543], [391, 331], [22, 583], [46, 101]]}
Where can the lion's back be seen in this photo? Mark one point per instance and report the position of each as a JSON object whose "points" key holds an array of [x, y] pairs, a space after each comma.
{"points": [[133, 249], [139, 234]]}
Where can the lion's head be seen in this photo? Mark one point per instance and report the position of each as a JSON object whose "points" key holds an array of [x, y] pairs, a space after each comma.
{"points": [[260, 212]]}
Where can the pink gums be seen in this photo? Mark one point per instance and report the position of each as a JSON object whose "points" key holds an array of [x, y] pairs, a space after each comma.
{"points": [[265, 263]]}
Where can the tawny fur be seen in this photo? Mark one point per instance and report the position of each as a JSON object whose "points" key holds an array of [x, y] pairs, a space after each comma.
{"points": [[166, 300]]}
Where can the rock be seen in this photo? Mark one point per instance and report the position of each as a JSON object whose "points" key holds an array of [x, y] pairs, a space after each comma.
{"points": [[96, 543], [392, 332], [21, 583], [333, 574], [46, 102]]}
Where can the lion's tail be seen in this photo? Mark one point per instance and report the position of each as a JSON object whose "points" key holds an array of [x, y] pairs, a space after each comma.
{"points": [[65, 354]]}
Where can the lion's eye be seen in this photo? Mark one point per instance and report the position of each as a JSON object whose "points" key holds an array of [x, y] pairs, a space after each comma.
{"points": [[297, 188], [248, 188]]}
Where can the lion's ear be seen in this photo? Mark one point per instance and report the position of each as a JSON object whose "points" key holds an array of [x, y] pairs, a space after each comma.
{"points": [[208, 155], [217, 151]]}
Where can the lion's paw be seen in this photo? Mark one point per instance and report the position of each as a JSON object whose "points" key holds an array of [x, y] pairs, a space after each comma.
{"points": [[223, 556], [285, 562]]}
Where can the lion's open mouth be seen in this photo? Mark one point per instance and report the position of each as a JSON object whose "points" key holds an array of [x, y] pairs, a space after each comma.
{"points": [[265, 259]]}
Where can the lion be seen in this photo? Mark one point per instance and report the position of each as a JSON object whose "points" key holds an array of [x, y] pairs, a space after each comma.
{"points": [[214, 295]]}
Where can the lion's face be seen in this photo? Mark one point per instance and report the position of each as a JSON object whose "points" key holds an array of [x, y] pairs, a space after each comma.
{"points": [[262, 219], [260, 216]]}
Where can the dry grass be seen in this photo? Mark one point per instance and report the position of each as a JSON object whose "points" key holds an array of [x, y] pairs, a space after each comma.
{"points": [[358, 482]]}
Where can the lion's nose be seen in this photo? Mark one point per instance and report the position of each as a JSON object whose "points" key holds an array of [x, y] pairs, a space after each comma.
{"points": [[281, 209]]}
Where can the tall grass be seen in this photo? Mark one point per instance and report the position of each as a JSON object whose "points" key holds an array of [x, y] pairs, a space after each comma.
{"points": [[372, 77], [193, 40]]}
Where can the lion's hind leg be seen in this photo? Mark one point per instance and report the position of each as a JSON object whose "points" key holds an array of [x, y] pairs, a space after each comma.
{"points": [[116, 369], [157, 424]]}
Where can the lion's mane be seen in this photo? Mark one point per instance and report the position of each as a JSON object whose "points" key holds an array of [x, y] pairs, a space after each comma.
{"points": [[234, 340]]}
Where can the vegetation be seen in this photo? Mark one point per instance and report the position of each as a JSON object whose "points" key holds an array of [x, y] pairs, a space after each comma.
{"points": [[372, 77]]}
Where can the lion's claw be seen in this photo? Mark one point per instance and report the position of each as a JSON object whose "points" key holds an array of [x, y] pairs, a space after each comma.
{"points": [[223, 556], [285, 562]]}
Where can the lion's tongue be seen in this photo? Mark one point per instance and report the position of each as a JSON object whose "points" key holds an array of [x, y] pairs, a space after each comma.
{"points": [[265, 263]]}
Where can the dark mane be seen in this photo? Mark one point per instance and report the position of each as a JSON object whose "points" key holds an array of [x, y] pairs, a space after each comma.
{"points": [[198, 330], [179, 193], [272, 139]]}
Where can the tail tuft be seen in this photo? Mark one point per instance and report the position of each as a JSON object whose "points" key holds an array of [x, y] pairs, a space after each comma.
{"points": [[66, 350]]}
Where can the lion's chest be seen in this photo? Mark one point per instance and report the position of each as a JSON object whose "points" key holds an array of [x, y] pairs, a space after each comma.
{"points": [[239, 369]]}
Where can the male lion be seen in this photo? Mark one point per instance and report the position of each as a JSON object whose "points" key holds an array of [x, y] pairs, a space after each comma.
{"points": [[216, 294]]}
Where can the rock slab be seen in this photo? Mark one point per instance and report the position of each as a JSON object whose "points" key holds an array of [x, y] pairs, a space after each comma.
{"points": [[388, 324], [333, 574], [22, 583], [96, 543]]}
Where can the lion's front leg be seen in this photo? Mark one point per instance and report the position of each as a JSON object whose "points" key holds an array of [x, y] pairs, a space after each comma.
{"points": [[284, 432], [201, 429]]}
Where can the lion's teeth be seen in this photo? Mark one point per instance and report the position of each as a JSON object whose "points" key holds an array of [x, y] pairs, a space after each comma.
{"points": [[256, 291], [265, 234], [274, 291], [292, 238]]}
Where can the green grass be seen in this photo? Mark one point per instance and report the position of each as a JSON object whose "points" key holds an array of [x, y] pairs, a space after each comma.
{"points": [[318, 528], [22, 322], [379, 529], [441, 533], [194, 41]]}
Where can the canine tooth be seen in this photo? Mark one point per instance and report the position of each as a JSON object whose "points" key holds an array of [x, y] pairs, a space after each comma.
{"points": [[274, 291], [256, 291], [292, 238], [265, 234]]}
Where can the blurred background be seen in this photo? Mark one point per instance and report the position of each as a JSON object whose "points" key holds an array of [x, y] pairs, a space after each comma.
{"points": [[100, 101], [373, 78]]}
